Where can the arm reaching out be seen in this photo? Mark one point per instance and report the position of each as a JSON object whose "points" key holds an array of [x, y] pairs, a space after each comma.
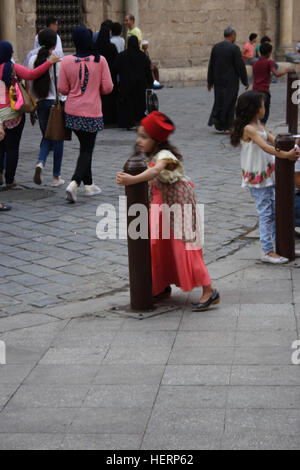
{"points": [[251, 134], [123, 179]]}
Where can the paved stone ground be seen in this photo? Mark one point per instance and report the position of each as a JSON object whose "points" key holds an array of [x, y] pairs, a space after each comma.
{"points": [[79, 376]]}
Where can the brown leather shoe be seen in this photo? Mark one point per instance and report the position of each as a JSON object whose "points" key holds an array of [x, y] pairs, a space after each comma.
{"points": [[12, 185]]}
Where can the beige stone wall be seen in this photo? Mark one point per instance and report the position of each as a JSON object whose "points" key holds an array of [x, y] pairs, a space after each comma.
{"points": [[26, 30], [182, 32], [296, 30]]}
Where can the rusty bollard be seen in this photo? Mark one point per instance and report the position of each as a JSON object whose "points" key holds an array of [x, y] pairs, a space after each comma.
{"points": [[139, 251], [285, 199]]}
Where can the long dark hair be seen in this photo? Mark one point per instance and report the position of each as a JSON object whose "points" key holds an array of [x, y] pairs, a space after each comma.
{"points": [[248, 105], [47, 41]]}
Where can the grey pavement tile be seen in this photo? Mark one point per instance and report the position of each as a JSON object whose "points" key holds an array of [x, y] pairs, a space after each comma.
{"points": [[284, 422], [260, 322], [196, 375], [121, 396], [128, 374], [264, 397], [14, 374], [181, 441], [6, 392], [73, 356], [102, 442], [263, 339], [205, 339], [62, 374], [152, 355], [165, 322], [263, 356], [36, 420], [16, 355], [199, 355], [265, 375], [186, 422], [259, 441], [110, 421], [30, 441], [283, 310], [24, 321], [48, 396], [196, 322], [27, 279], [193, 397]]}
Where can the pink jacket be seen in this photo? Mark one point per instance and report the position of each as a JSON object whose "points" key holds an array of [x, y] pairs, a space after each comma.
{"points": [[24, 74], [84, 81]]}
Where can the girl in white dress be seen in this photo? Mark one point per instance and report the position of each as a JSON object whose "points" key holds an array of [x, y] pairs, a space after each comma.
{"points": [[258, 167]]}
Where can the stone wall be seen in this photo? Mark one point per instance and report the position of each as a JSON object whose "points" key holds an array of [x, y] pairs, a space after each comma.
{"points": [[182, 32], [26, 30]]}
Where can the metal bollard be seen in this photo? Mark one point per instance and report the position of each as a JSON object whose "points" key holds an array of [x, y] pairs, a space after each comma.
{"points": [[292, 108], [285, 199], [139, 251]]}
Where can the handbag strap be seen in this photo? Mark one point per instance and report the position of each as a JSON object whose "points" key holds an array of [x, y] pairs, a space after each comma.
{"points": [[55, 83]]}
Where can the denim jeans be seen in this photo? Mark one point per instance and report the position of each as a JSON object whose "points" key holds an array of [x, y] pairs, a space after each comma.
{"points": [[297, 210], [47, 145], [265, 206]]}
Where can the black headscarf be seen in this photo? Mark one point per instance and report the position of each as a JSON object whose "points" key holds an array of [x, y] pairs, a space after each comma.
{"points": [[6, 52], [133, 49], [84, 43], [104, 46]]}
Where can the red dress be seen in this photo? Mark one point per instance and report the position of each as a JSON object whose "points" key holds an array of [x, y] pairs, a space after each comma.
{"points": [[173, 262]]}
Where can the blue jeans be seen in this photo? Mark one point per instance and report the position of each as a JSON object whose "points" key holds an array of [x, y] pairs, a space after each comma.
{"points": [[265, 206], [297, 210], [47, 145]]}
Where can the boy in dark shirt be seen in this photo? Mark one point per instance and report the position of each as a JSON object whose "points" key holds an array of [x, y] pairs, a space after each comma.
{"points": [[262, 74]]}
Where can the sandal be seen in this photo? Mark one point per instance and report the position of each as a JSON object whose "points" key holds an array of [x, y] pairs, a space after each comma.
{"points": [[4, 208]]}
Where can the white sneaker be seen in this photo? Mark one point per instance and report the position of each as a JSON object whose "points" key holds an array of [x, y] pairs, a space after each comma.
{"points": [[71, 192], [92, 190], [57, 182], [269, 259], [37, 179]]}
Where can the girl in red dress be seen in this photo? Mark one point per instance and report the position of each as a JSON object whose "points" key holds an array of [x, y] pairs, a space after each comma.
{"points": [[176, 234]]}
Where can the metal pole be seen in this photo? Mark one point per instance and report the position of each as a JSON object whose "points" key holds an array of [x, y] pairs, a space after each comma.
{"points": [[293, 107], [139, 251], [285, 199]]}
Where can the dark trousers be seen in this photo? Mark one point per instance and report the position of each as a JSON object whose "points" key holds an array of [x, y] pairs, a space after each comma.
{"points": [[267, 106], [83, 172], [10, 147]]}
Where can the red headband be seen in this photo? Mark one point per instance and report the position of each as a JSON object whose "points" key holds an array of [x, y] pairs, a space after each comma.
{"points": [[158, 126]]}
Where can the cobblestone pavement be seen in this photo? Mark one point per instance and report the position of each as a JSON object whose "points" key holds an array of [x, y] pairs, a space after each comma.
{"points": [[80, 376]]}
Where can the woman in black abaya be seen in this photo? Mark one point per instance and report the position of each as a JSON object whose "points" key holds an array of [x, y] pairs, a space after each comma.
{"points": [[134, 70]]}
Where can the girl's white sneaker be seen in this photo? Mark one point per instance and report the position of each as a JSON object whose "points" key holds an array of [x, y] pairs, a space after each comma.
{"points": [[71, 192], [269, 259], [92, 190], [57, 182]]}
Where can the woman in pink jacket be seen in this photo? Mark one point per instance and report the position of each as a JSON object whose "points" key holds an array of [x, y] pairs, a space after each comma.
{"points": [[84, 78], [12, 122]]}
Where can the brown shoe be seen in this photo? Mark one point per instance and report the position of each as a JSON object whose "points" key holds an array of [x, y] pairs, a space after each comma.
{"points": [[12, 185]]}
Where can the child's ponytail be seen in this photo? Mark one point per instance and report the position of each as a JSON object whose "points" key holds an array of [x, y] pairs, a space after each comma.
{"points": [[248, 106]]}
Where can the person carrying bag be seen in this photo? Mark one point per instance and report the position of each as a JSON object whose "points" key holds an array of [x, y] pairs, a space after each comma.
{"points": [[50, 110]]}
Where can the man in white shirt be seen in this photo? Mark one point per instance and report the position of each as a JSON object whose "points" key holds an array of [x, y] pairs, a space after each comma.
{"points": [[52, 23]]}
